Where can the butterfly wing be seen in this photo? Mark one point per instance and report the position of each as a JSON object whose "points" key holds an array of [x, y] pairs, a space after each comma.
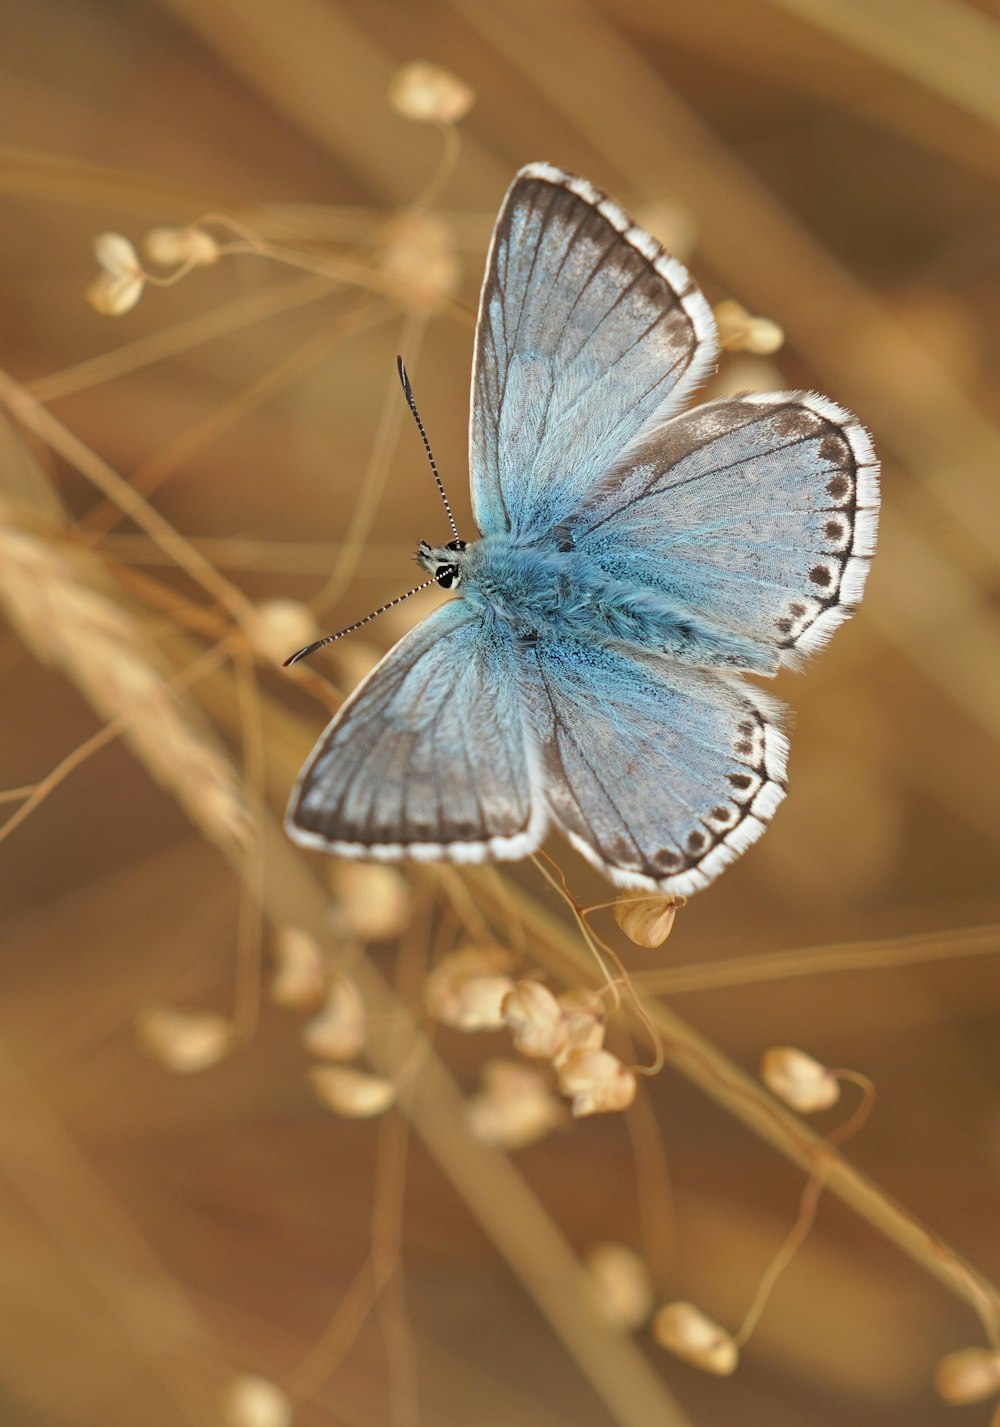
{"points": [[588, 332], [429, 757], [658, 773], [758, 512]]}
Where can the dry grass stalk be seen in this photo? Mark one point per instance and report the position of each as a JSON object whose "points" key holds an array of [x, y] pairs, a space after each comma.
{"points": [[58, 602]]}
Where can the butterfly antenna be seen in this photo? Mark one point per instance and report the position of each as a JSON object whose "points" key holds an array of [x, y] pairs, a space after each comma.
{"points": [[408, 393], [329, 638]]}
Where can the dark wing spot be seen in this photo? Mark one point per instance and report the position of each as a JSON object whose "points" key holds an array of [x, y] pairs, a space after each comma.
{"points": [[820, 575], [838, 486], [744, 746], [833, 449], [784, 626], [722, 815], [696, 841], [741, 781], [834, 530], [796, 610]]}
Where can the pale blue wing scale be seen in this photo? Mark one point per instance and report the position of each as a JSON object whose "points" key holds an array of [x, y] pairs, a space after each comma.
{"points": [[430, 757], [756, 513], [659, 774], [588, 333]]}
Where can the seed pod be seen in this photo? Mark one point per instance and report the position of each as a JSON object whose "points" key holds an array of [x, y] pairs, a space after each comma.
{"points": [[799, 1080], [688, 1333], [338, 1032], [299, 977], [647, 921], [970, 1375], [253, 1401], [515, 1106], [352, 1093], [621, 1285], [597, 1081], [184, 1041], [536, 1019]]}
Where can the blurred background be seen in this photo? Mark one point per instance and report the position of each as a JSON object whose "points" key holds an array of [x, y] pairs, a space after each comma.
{"points": [[169, 1238]]}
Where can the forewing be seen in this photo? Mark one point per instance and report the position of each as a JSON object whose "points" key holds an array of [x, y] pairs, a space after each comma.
{"points": [[587, 332], [428, 758], [659, 774], [759, 513]]}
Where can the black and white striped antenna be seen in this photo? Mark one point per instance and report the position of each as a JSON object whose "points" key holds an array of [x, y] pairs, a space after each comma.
{"points": [[331, 638]]}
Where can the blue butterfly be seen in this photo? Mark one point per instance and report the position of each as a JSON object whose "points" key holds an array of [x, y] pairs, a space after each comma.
{"points": [[633, 563]]}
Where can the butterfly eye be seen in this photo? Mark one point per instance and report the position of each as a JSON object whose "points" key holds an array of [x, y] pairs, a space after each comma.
{"points": [[455, 545], [447, 576]]}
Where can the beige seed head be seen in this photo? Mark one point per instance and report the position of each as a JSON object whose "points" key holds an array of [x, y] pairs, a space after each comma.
{"points": [[515, 1106], [429, 94], [536, 1020], [586, 1019], [970, 1375], [646, 921], [299, 977], [172, 246], [466, 990], [183, 1041], [622, 1288], [799, 1080], [252, 1401], [279, 627], [352, 1093], [119, 285], [688, 1333], [740, 331], [374, 900], [597, 1081], [421, 253], [338, 1032]]}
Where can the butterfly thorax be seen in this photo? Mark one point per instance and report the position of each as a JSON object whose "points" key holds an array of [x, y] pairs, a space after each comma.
{"points": [[541, 591]]}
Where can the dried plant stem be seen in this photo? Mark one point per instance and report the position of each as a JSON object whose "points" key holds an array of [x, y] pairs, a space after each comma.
{"points": [[487, 1181], [706, 1066], [151, 474], [822, 960], [208, 326], [372, 484], [31, 414], [47, 1168], [36, 793]]}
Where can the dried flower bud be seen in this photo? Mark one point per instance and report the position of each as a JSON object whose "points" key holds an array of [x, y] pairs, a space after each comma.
{"points": [[647, 921], [687, 1332], [119, 286], [798, 1079], [183, 1041], [299, 978], [466, 990], [597, 1081], [586, 1019], [171, 246], [256, 1402], [375, 900], [514, 1108], [350, 1092], [338, 1032], [279, 627], [421, 253], [622, 1289], [739, 331], [536, 1019], [970, 1375], [429, 94]]}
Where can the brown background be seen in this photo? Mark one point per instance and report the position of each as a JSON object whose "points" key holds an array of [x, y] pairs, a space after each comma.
{"points": [[837, 166]]}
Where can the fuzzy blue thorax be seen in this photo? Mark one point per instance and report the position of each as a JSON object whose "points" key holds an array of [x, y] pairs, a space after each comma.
{"points": [[540, 592]]}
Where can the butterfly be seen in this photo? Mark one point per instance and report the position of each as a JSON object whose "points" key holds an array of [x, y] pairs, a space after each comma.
{"points": [[635, 560]]}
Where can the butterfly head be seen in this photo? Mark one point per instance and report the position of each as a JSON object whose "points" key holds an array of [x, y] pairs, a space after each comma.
{"points": [[443, 561]]}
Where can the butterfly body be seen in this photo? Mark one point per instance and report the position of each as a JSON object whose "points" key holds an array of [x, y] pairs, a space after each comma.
{"points": [[538, 591], [635, 560]]}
